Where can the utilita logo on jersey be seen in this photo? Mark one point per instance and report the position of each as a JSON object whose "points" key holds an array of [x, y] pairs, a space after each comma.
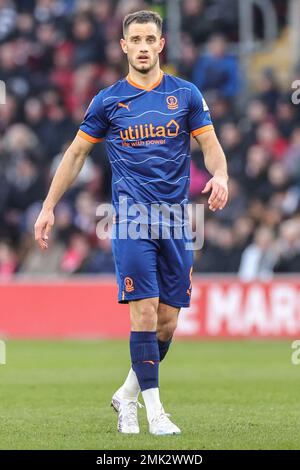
{"points": [[148, 134]]}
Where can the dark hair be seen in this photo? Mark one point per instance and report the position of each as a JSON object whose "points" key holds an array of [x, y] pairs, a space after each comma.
{"points": [[143, 16]]}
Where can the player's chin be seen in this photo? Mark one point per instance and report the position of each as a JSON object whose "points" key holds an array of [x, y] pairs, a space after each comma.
{"points": [[143, 67]]}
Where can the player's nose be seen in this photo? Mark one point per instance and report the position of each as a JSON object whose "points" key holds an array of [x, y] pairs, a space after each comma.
{"points": [[144, 47], [143, 52]]}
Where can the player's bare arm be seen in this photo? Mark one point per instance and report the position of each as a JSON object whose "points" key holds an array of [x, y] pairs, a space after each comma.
{"points": [[215, 163], [65, 175]]}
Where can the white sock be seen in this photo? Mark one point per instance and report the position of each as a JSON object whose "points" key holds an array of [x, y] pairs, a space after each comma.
{"points": [[152, 402], [130, 389]]}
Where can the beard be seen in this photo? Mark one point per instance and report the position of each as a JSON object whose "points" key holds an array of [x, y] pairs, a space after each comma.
{"points": [[143, 68]]}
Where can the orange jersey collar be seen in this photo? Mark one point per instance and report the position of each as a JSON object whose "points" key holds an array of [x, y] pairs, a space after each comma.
{"points": [[136, 85]]}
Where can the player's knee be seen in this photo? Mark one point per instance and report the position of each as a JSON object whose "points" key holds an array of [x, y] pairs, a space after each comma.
{"points": [[166, 329], [144, 316]]}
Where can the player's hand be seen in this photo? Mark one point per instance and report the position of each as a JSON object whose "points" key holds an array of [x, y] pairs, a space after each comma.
{"points": [[219, 192], [43, 226]]}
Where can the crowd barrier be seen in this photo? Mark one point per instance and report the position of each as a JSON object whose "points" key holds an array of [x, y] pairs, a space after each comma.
{"points": [[87, 308]]}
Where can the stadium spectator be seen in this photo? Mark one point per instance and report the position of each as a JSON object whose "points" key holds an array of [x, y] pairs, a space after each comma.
{"points": [[286, 116], [289, 247], [234, 148], [89, 44], [75, 254], [269, 138], [8, 18], [54, 57], [217, 71], [291, 158], [258, 259], [188, 57], [195, 21], [100, 259], [268, 90]]}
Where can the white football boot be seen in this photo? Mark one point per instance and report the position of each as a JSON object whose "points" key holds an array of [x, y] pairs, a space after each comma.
{"points": [[161, 425], [127, 414]]}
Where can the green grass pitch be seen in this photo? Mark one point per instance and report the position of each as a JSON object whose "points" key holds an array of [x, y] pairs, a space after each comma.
{"points": [[223, 395]]}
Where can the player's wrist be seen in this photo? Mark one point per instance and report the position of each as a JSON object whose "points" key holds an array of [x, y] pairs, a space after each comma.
{"points": [[48, 206], [221, 174]]}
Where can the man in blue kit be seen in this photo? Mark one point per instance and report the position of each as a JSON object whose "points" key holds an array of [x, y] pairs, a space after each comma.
{"points": [[146, 120]]}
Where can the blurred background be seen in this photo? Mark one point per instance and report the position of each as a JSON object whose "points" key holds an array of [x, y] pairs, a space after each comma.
{"points": [[55, 55], [243, 55]]}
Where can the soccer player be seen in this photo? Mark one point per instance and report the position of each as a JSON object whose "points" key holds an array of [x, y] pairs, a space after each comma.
{"points": [[146, 120]]}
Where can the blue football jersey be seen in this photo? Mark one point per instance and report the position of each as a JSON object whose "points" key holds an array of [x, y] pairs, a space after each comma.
{"points": [[147, 137]]}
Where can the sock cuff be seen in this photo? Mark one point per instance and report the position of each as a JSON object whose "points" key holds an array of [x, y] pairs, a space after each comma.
{"points": [[143, 336]]}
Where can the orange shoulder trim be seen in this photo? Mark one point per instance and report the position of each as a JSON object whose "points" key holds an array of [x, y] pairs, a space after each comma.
{"points": [[201, 130], [88, 137]]}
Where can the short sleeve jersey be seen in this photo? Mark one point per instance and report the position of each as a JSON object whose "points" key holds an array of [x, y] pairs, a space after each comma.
{"points": [[147, 136]]}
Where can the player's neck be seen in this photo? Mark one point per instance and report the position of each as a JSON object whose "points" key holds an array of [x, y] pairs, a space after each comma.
{"points": [[144, 80]]}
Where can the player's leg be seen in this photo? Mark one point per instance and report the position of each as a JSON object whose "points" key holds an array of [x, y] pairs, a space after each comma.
{"points": [[145, 359], [136, 266], [174, 281], [136, 275], [144, 351], [167, 318]]}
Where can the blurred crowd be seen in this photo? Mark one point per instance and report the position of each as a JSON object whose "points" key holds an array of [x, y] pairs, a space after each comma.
{"points": [[56, 55]]}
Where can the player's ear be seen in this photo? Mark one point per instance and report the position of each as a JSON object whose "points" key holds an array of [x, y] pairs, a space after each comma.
{"points": [[162, 42], [123, 45]]}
